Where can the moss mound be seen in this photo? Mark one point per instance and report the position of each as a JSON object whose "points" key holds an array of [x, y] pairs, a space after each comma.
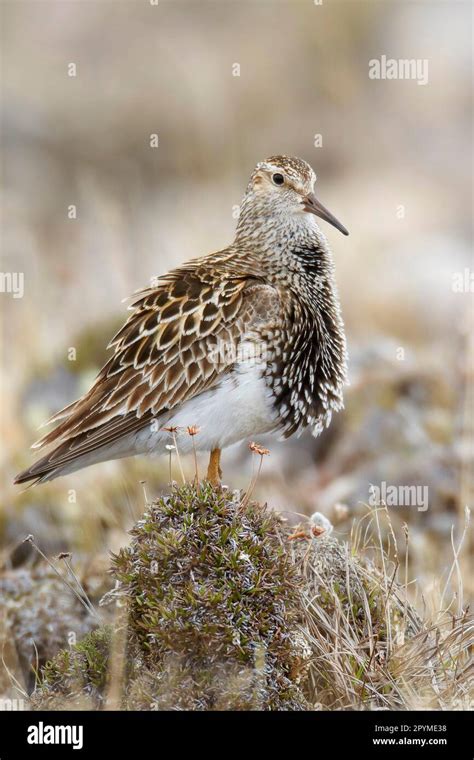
{"points": [[213, 602], [218, 606], [76, 678]]}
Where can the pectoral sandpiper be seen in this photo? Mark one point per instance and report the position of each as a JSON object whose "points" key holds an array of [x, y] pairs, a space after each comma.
{"points": [[239, 343]]}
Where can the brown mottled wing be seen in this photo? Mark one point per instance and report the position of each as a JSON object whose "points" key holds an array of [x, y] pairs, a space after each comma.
{"points": [[164, 355]]}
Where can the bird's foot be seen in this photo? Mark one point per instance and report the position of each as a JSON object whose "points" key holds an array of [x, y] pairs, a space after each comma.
{"points": [[214, 470]]}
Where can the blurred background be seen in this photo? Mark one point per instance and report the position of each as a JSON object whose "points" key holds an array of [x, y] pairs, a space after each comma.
{"points": [[392, 158]]}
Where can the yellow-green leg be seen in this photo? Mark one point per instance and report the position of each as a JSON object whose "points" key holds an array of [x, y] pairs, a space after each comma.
{"points": [[214, 472]]}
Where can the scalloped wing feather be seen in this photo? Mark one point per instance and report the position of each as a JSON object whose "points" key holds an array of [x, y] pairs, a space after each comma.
{"points": [[163, 356]]}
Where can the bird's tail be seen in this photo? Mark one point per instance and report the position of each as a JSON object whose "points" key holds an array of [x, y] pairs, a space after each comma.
{"points": [[55, 464], [112, 440]]}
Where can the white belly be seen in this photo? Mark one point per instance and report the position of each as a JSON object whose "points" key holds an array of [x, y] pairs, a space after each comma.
{"points": [[239, 407]]}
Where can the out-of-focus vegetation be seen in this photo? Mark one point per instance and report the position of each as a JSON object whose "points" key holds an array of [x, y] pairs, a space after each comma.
{"points": [[392, 166]]}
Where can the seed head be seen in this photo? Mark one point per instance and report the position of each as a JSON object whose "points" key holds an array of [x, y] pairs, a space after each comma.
{"points": [[257, 449]]}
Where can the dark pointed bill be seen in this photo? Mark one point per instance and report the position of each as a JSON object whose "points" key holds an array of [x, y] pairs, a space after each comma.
{"points": [[313, 206]]}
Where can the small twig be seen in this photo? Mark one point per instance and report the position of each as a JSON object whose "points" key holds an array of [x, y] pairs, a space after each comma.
{"points": [[192, 431], [255, 448], [455, 564], [173, 430], [170, 448], [143, 484], [65, 556], [31, 539], [12, 678], [405, 614]]}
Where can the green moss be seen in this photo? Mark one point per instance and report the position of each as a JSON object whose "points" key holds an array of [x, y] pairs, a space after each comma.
{"points": [[213, 603], [87, 659], [77, 675], [221, 611]]}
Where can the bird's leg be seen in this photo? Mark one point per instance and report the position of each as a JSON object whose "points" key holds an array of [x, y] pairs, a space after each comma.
{"points": [[214, 472]]}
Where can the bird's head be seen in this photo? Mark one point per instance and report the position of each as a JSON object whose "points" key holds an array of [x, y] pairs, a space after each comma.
{"points": [[283, 188]]}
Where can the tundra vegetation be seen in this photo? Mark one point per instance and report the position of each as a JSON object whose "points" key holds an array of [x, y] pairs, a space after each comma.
{"points": [[219, 603]]}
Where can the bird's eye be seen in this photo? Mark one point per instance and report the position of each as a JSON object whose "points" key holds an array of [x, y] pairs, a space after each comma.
{"points": [[278, 179]]}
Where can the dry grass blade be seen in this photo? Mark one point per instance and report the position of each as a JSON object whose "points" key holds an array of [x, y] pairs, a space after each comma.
{"points": [[371, 648]]}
